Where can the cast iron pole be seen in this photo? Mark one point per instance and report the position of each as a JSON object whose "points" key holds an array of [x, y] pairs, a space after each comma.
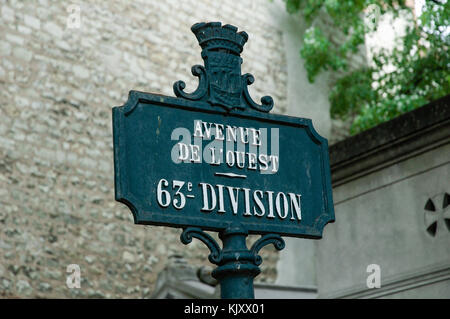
{"points": [[237, 265]]}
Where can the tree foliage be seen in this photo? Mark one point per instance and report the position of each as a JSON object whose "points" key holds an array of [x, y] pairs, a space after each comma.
{"points": [[414, 72]]}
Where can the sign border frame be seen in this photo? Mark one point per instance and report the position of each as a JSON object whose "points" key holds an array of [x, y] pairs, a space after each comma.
{"points": [[119, 114]]}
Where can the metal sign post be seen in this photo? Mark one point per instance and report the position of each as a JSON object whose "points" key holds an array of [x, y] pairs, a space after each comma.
{"points": [[216, 160]]}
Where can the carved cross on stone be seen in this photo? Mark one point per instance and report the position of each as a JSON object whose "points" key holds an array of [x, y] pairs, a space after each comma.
{"points": [[437, 212]]}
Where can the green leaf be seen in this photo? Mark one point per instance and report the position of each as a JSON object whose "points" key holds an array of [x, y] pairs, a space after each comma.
{"points": [[420, 60]]}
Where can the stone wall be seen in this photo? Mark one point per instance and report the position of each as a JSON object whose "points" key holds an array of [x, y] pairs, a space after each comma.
{"points": [[391, 194], [57, 87]]}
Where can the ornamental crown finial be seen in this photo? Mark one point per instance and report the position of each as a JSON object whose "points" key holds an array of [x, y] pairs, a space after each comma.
{"points": [[220, 80], [215, 37]]}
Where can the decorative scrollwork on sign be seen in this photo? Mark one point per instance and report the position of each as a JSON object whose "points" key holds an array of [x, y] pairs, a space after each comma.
{"points": [[200, 92], [194, 232], [267, 101], [265, 240], [220, 81]]}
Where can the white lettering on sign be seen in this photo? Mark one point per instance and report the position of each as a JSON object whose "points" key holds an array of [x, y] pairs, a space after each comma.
{"points": [[255, 202], [234, 154], [223, 199], [244, 148]]}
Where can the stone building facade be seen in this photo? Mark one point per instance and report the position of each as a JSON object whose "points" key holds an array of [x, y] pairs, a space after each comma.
{"points": [[391, 192], [63, 66]]}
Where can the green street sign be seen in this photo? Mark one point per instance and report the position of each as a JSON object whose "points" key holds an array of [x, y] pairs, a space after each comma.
{"points": [[214, 158]]}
